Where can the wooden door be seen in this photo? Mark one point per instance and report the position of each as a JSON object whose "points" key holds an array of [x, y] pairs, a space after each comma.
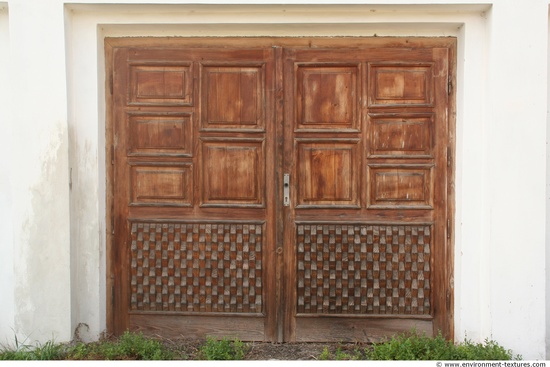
{"points": [[280, 189], [366, 143], [193, 160]]}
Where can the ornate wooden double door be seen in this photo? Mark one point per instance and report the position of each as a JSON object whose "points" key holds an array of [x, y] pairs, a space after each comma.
{"points": [[280, 189]]}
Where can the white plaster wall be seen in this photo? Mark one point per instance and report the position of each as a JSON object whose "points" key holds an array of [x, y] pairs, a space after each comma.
{"points": [[87, 220], [6, 202], [516, 129], [500, 161], [471, 274], [38, 158], [548, 198]]}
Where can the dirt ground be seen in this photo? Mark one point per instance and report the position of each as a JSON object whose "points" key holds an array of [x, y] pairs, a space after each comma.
{"points": [[260, 351], [293, 351]]}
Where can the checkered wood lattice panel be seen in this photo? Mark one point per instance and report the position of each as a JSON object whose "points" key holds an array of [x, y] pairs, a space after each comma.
{"points": [[196, 267], [363, 269]]}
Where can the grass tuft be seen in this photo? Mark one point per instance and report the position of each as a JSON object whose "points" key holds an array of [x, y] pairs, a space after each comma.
{"points": [[41, 352], [222, 350], [413, 346], [129, 346], [135, 346]]}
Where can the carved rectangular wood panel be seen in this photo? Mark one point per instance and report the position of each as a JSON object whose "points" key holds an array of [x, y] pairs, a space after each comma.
{"points": [[233, 172], [160, 133], [363, 269], [327, 96], [400, 84], [327, 173], [161, 84], [400, 186], [233, 97], [196, 267], [402, 136], [169, 184]]}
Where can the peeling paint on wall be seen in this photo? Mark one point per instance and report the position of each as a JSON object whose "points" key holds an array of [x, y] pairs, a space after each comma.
{"points": [[85, 241], [43, 251]]}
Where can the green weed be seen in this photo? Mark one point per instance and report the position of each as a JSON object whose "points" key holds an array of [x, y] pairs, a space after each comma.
{"points": [[325, 354], [420, 347], [222, 350], [132, 346], [340, 355], [489, 350], [25, 352], [129, 346]]}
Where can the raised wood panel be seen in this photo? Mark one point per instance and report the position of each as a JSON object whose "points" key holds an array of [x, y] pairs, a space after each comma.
{"points": [[160, 134], [160, 85], [233, 173], [400, 136], [354, 329], [327, 97], [327, 173], [400, 84], [243, 327], [165, 185], [196, 267], [400, 186], [233, 97], [363, 269]]}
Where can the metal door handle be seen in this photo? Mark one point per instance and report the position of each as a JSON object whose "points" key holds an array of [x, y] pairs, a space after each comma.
{"points": [[286, 189]]}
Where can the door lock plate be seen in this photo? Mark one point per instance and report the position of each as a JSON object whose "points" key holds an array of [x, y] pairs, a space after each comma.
{"points": [[286, 189]]}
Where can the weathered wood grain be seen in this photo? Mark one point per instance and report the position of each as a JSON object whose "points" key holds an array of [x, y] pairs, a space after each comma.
{"points": [[199, 134]]}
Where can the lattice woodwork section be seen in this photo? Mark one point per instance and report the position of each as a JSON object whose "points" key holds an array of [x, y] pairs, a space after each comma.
{"points": [[191, 267], [363, 269]]}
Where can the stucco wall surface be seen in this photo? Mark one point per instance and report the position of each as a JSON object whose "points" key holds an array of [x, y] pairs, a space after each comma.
{"points": [[52, 200], [6, 223], [37, 193]]}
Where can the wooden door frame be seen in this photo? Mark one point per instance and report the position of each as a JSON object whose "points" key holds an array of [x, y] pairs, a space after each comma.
{"points": [[444, 319]]}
